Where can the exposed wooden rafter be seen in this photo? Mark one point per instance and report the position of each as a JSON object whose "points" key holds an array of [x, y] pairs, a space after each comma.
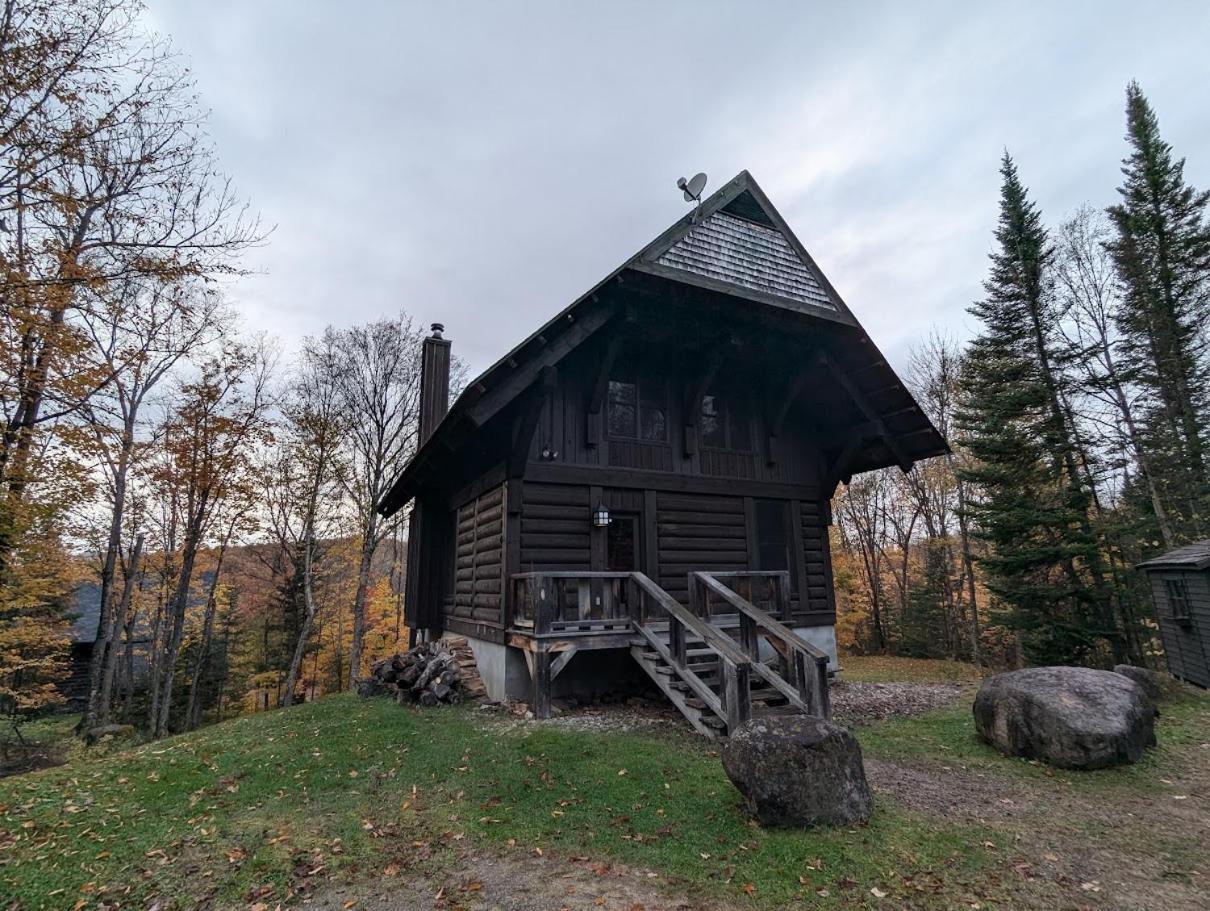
{"points": [[904, 461], [527, 421]]}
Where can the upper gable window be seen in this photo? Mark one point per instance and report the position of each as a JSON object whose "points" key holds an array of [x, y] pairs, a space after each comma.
{"points": [[637, 408], [725, 423]]}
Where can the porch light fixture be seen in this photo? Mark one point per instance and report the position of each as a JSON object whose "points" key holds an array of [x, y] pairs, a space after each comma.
{"points": [[600, 516]]}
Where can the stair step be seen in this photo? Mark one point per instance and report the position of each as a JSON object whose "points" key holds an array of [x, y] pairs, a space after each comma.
{"points": [[713, 721]]}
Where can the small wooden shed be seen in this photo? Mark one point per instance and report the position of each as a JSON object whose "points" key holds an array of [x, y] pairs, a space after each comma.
{"points": [[1180, 585]]}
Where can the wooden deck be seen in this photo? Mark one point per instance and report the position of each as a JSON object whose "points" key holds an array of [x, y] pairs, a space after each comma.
{"points": [[706, 658]]}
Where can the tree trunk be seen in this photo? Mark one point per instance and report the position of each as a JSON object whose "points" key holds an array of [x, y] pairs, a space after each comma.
{"points": [[105, 703], [193, 710], [359, 601], [304, 634], [176, 632], [968, 567]]}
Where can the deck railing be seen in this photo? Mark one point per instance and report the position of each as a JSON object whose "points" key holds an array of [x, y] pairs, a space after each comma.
{"points": [[803, 677], [554, 603]]}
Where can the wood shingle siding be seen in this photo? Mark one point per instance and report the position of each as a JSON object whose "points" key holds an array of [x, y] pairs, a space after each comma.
{"points": [[479, 559], [747, 254]]}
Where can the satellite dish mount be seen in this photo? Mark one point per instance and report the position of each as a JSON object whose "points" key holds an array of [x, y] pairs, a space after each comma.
{"points": [[692, 189]]}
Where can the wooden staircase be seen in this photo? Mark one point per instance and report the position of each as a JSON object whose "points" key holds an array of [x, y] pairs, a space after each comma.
{"points": [[710, 665], [720, 660]]}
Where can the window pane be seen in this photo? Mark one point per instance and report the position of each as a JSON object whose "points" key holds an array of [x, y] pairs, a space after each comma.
{"points": [[623, 391], [623, 409], [772, 535], [713, 433], [737, 419], [622, 421], [653, 415], [655, 424]]}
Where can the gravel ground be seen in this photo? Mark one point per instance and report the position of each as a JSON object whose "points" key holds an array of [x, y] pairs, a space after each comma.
{"points": [[855, 703]]}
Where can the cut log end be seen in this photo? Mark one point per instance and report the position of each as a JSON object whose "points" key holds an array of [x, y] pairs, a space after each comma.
{"points": [[434, 673]]}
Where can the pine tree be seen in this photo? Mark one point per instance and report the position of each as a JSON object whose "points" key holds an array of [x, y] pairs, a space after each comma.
{"points": [[1043, 564], [1162, 254]]}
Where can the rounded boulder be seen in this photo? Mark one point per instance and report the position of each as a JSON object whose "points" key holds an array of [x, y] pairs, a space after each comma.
{"points": [[1069, 717], [797, 770]]}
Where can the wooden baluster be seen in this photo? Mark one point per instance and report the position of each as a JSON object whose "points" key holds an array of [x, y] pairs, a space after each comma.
{"points": [[747, 637], [543, 604], [737, 696], [676, 642], [823, 697], [802, 679]]}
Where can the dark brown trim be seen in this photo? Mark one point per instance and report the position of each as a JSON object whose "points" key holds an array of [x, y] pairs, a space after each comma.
{"points": [[493, 477], [570, 339], [638, 479], [760, 297], [475, 630], [904, 461]]}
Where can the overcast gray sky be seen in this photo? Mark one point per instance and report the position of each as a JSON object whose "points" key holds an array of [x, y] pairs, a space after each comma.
{"points": [[483, 164]]}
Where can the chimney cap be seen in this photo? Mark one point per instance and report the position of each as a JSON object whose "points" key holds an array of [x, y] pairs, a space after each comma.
{"points": [[438, 328]]}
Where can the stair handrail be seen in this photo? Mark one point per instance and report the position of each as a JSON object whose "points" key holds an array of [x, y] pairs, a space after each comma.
{"points": [[735, 706], [810, 684]]}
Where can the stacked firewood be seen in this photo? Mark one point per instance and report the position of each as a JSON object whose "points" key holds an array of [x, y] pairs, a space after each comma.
{"points": [[442, 672]]}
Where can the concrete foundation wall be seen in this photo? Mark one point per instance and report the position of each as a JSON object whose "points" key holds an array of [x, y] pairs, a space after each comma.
{"points": [[502, 669], [824, 639]]}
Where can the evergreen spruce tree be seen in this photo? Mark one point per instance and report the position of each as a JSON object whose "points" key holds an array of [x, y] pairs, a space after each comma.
{"points": [[1162, 254], [1031, 506]]}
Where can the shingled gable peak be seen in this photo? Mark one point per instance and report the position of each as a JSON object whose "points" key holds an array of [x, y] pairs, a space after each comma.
{"points": [[739, 244]]}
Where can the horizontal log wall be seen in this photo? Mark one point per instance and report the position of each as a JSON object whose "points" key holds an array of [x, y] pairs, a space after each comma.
{"points": [[479, 560], [698, 532], [555, 527], [816, 593]]}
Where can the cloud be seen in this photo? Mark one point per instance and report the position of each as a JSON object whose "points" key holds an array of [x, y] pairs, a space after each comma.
{"points": [[483, 164]]}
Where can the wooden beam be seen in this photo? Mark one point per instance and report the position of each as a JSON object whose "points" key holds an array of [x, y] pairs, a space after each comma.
{"points": [[901, 457], [777, 417], [527, 422], [693, 399], [561, 660], [510, 387], [597, 397]]}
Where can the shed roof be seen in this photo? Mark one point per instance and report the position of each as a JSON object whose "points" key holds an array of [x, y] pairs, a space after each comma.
{"points": [[735, 243], [1191, 556]]}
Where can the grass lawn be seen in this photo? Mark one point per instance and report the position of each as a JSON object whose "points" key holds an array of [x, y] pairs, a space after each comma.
{"points": [[267, 808]]}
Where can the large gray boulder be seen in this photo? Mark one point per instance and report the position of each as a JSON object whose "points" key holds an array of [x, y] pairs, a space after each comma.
{"points": [[1152, 683], [1070, 717], [796, 770]]}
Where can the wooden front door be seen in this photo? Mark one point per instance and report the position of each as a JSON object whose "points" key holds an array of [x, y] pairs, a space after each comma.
{"points": [[622, 543]]}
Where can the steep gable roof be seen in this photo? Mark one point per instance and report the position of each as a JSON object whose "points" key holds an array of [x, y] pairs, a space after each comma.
{"points": [[735, 242]]}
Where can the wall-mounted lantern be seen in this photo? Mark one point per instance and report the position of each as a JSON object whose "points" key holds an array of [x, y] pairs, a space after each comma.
{"points": [[600, 516]]}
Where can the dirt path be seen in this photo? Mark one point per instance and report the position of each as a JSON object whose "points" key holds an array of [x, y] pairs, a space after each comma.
{"points": [[515, 881], [1116, 851]]}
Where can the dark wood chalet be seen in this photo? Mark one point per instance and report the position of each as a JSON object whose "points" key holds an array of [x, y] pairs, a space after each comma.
{"points": [[645, 482], [1180, 585]]}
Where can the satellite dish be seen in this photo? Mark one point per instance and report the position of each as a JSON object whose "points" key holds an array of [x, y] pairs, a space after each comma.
{"points": [[693, 187]]}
